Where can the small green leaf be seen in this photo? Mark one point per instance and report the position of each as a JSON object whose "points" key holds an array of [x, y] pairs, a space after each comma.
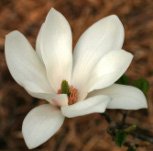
{"points": [[65, 88], [142, 84], [123, 80], [120, 138], [132, 149]]}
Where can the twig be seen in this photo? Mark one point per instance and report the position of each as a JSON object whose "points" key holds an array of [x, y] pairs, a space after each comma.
{"points": [[107, 117], [142, 137], [124, 118], [114, 127]]}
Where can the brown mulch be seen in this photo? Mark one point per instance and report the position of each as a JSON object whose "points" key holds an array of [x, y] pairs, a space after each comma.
{"points": [[87, 133]]}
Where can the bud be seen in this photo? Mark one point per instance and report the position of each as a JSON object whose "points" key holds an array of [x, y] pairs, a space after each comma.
{"points": [[130, 129]]}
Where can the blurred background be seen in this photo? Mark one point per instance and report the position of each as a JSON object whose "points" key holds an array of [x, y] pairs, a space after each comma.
{"points": [[87, 133]]}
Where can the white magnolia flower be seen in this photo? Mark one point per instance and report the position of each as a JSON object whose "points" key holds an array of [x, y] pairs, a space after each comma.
{"points": [[97, 62]]}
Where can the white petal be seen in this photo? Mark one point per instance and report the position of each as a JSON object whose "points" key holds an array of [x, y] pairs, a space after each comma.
{"points": [[55, 99], [59, 100], [57, 48], [39, 43], [40, 124], [109, 69], [24, 64], [96, 104], [102, 37], [123, 97]]}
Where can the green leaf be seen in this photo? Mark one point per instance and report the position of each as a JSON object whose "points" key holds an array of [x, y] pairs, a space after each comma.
{"points": [[120, 138], [123, 80], [142, 84], [132, 149]]}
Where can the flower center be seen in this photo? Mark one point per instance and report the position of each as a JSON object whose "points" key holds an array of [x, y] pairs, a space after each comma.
{"points": [[70, 91]]}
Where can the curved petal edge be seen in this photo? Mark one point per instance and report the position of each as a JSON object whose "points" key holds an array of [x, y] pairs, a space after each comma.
{"points": [[123, 97], [109, 69], [40, 124], [96, 104]]}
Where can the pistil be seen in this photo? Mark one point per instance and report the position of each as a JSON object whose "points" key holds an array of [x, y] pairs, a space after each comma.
{"points": [[70, 91]]}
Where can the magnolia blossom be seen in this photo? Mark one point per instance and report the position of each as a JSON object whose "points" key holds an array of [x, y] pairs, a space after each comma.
{"points": [[74, 85]]}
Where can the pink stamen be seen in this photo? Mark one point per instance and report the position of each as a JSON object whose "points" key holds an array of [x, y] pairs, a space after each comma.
{"points": [[72, 98]]}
